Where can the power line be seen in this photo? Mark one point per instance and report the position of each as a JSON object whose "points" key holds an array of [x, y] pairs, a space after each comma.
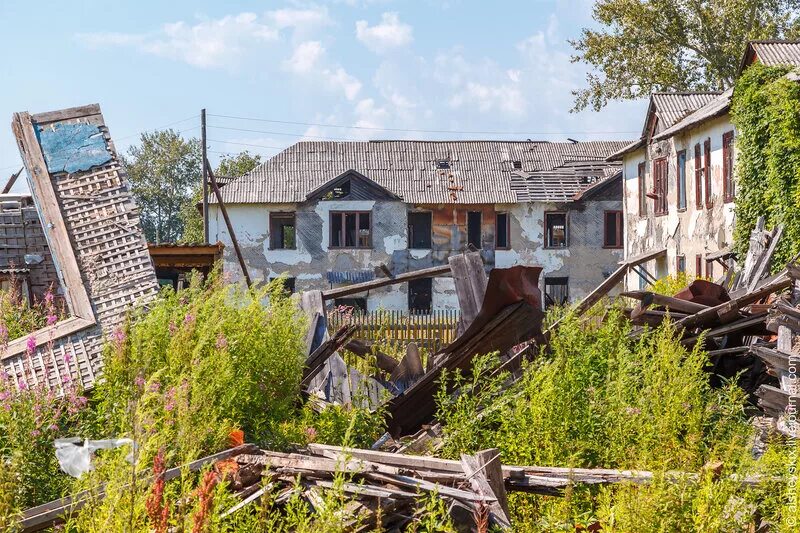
{"points": [[248, 144], [193, 117], [410, 130]]}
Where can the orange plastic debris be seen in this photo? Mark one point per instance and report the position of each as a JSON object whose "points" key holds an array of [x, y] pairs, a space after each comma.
{"points": [[236, 438]]}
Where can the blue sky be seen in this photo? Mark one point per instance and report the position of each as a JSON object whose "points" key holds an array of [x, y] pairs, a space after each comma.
{"points": [[453, 68]]}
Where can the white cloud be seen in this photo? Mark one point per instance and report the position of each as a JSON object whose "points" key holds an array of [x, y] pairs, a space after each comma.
{"points": [[308, 59], [296, 18], [305, 57], [506, 98], [337, 78], [390, 33]]}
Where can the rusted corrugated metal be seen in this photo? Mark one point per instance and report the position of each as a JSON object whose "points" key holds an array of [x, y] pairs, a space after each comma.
{"points": [[479, 171]]}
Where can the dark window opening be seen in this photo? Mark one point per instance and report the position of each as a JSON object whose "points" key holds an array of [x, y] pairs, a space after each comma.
{"points": [[556, 291], [339, 191], [443, 164], [680, 264], [707, 172], [555, 230], [728, 186], [357, 305], [419, 230], [517, 165], [612, 229], [282, 235], [642, 190], [420, 295], [698, 265], [474, 229], [681, 180], [502, 239], [710, 270], [288, 285], [351, 230], [660, 186], [698, 177]]}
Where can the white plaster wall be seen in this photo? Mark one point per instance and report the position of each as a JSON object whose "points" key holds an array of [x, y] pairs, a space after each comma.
{"points": [[690, 232]]}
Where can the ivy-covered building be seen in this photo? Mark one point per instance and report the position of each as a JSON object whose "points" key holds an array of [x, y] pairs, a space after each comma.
{"points": [[679, 178]]}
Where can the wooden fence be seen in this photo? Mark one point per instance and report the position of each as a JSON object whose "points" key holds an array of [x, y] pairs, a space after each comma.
{"points": [[431, 331]]}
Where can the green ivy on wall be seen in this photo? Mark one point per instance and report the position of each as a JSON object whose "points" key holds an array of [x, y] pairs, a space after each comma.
{"points": [[766, 113]]}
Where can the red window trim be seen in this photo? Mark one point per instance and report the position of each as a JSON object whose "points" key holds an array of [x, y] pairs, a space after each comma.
{"points": [[728, 185], [660, 171], [707, 172], [619, 235], [642, 190], [698, 176], [698, 265]]}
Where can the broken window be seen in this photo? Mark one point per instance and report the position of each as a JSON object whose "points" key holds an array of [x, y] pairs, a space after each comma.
{"points": [[443, 164], [728, 187], [419, 230], [355, 305], [288, 285], [502, 240], [351, 229], [556, 291], [698, 177], [474, 229], [681, 170], [282, 231], [555, 230], [707, 171], [680, 264], [698, 265], [612, 229], [642, 190], [420, 295], [660, 186], [339, 191], [710, 269]]}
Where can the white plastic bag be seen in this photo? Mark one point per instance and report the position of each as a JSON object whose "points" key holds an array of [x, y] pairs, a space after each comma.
{"points": [[76, 458]]}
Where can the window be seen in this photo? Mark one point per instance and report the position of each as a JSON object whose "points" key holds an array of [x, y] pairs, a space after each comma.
{"points": [[612, 229], [474, 229], [660, 186], [420, 295], [681, 171], [642, 191], [707, 171], [358, 305], [338, 192], [555, 225], [419, 230], [698, 178], [680, 264], [288, 285], [698, 265], [282, 234], [502, 231], [728, 186], [556, 291], [351, 229], [443, 164], [710, 270]]}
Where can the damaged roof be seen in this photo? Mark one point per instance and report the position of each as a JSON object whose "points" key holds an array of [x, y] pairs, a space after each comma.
{"points": [[714, 108], [432, 172], [772, 53]]}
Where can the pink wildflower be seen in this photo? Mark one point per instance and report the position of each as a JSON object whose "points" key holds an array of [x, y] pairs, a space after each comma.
{"points": [[172, 328], [118, 337], [67, 357], [311, 434], [633, 411], [22, 384], [51, 319], [3, 333], [52, 427], [222, 342], [31, 346], [139, 381], [155, 386], [48, 297], [4, 395], [35, 433], [169, 406], [188, 319]]}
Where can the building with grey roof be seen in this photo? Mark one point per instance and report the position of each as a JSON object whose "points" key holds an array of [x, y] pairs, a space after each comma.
{"points": [[331, 213]]}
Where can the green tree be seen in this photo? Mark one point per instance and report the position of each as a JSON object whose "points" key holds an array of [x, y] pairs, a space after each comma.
{"points": [[230, 166], [643, 46], [164, 170]]}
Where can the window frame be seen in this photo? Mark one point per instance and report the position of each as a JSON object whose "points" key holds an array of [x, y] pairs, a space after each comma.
{"points": [[479, 244], [728, 184], [680, 264], [680, 180], [619, 232], [549, 281], [698, 176], [660, 173], [344, 237], [410, 235], [642, 181], [707, 172], [698, 265], [508, 230], [547, 245], [418, 310], [276, 215]]}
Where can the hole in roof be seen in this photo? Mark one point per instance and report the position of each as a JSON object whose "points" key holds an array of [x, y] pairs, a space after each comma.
{"points": [[517, 164], [443, 164]]}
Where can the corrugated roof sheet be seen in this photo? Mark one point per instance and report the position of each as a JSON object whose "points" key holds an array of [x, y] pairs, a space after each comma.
{"points": [[480, 171], [773, 53], [672, 107], [712, 109]]}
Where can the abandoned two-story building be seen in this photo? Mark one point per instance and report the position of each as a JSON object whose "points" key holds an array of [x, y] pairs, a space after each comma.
{"points": [[330, 213], [679, 178]]}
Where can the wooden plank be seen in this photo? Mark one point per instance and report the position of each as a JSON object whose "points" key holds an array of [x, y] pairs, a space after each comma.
{"points": [[69, 113], [729, 328], [765, 261], [356, 288], [676, 304], [470, 280]]}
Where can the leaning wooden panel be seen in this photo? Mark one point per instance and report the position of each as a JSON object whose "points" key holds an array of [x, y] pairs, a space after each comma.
{"points": [[93, 231]]}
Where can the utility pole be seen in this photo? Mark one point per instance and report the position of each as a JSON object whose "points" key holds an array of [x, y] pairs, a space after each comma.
{"points": [[204, 142]]}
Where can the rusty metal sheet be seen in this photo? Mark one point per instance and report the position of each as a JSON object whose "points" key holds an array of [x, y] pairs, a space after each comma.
{"points": [[704, 292], [511, 313]]}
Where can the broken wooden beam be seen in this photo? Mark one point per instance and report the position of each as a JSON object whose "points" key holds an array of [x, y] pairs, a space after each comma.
{"points": [[355, 288], [676, 304]]}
